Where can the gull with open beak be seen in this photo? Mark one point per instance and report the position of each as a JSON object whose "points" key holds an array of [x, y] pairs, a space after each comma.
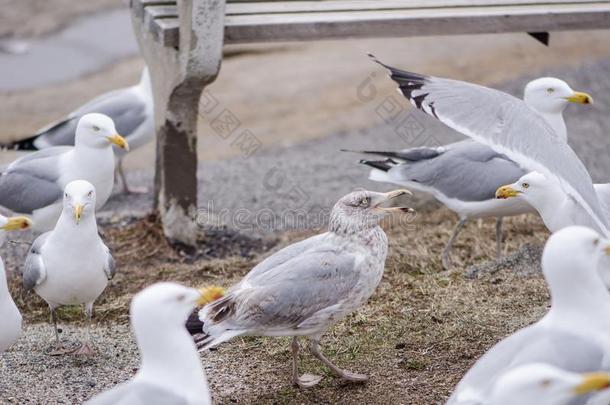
{"points": [[10, 317], [308, 286], [71, 265], [33, 184], [170, 370]]}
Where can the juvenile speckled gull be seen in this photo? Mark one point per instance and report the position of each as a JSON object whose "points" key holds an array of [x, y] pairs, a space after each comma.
{"points": [[575, 332], [308, 286], [170, 371], [508, 126], [130, 108], [71, 265], [10, 317], [465, 175], [543, 384], [34, 184]]}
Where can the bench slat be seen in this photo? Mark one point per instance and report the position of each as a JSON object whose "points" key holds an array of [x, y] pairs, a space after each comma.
{"points": [[335, 19], [274, 7]]}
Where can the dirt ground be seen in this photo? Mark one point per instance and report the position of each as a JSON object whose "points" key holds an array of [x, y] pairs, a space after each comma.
{"points": [[416, 337], [423, 328]]}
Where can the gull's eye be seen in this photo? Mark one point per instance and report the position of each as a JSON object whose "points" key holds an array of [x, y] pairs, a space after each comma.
{"points": [[546, 383], [181, 297], [96, 128], [66, 195], [525, 185], [596, 242], [90, 194], [365, 202], [550, 90]]}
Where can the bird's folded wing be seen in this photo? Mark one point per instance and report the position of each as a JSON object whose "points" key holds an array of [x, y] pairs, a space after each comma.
{"points": [[139, 393], [126, 107], [290, 293], [30, 183], [569, 351], [34, 272], [110, 264], [507, 125]]}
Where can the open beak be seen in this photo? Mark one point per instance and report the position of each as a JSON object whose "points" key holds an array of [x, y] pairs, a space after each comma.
{"points": [[210, 294], [593, 382], [580, 98], [390, 196], [505, 192], [17, 223], [78, 212], [119, 141]]}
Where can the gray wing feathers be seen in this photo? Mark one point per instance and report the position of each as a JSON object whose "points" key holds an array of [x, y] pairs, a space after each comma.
{"points": [[533, 344], [506, 124], [34, 272], [138, 393], [110, 267], [30, 182], [126, 108], [469, 172], [287, 295]]}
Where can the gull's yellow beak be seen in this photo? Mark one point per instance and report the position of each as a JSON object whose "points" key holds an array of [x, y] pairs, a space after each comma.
{"points": [[593, 382], [210, 294], [78, 212], [607, 250], [17, 223], [506, 192], [119, 141], [580, 98], [390, 196]]}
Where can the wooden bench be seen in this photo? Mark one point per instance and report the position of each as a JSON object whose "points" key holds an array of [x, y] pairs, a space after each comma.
{"points": [[182, 45]]}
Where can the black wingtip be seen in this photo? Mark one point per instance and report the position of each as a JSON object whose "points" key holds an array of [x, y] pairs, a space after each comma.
{"points": [[193, 325], [383, 165], [24, 144]]}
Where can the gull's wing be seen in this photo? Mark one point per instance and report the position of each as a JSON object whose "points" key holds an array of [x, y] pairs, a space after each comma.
{"points": [[30, 182], [564, 350], [34, 272], [286, 296], [110, 266], [140, 393], [468, 171], [126, 107], [603, 193], [507, 125]]}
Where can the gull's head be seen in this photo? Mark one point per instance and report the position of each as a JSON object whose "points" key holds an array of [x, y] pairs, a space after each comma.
{"points": [[165, 304], [533, 187], [570, 259], [364, 209], [79, 200], [97, 130], [551, 96], [543, 384]]}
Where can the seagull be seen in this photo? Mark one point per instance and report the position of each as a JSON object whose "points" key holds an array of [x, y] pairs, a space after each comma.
{"points": [[130, 108], [308, 286], [557, 209], [507, 125], [34, 184], [170, 370], [464, 175], [9, 314], [575, 332], [543, 384], [71, 265]]}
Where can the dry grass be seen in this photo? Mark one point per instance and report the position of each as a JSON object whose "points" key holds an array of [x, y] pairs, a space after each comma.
{"points": [[419, 333]]}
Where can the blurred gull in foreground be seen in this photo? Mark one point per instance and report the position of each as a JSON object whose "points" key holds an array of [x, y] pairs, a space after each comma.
{"points": [[465, 175], [575, 333], [308, 286], [34, 184], [509, 126], [130, 108], [71, 265], [542, 384], [170, 371], [10, 318]]}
